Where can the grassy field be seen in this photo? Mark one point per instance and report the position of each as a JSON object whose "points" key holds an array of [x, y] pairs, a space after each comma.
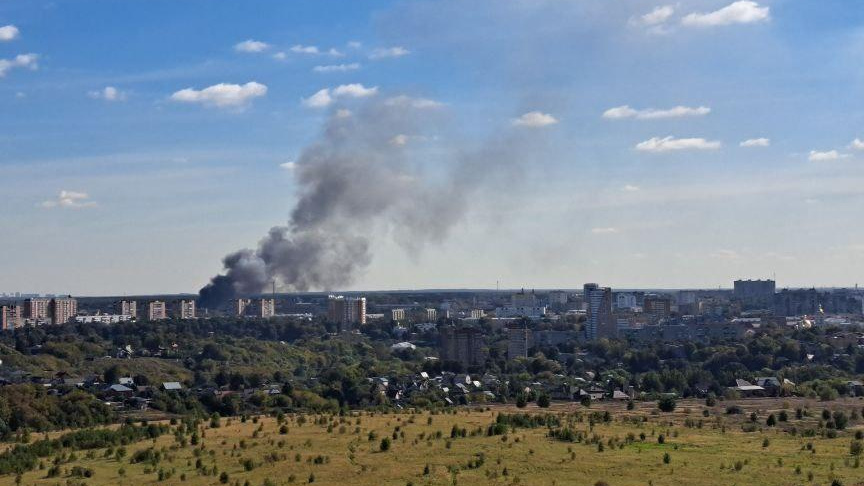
{"points": [[697, 450]]}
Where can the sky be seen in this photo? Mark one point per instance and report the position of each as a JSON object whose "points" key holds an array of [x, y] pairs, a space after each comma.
{"points": [[665, 144]]}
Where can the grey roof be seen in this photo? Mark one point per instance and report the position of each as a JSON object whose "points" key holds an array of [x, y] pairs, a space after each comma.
{"points": [[172, 385]]}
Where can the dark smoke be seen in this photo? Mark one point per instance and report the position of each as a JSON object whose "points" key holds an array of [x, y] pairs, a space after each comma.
{"points": [[359, 179]]}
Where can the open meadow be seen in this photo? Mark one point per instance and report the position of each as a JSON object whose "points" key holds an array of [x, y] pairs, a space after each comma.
{"points": [[694, 445]]}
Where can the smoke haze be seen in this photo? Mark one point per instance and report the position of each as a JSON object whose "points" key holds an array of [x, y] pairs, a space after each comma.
{"points": [[359, 178]]}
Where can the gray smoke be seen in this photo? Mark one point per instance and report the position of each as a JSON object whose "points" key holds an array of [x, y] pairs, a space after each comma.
{"points": [[358, 179]]}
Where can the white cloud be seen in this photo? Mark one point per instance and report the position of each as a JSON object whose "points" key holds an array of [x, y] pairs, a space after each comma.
{"points": [[355, 90], [535, 119], [631, 188], [301, 49], [857, 144], [9, 33], [622, 112], [325, 97], [389, 52], [108, 93], [320, 99], [28, 61], [251, 46], [817, 156], [70, 199], [418, 103], [222, 95], [657, 16], [343, 113], [603, 231], [335, 52], [337, 68], [279, 56], [756, 142], [399, 140], [290, 165], [355, 44], [740, 12], [669, 144]]}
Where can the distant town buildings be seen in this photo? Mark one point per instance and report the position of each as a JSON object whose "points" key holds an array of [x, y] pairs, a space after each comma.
{"points": [[432, 315], [186, 309], [397, 315], [625, 300], [522, 304], [10, 317], [755, 293], [156, 311], [600, 322], [346, 310], [128, 308], [37, 309], [266, 308], [657, 307], [462, 345], [240, 306], [519, 340], [63, 309]]}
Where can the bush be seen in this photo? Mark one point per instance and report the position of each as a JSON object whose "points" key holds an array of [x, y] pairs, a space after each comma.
{"points": [[667, 404], [543, 401], [385, 444]]}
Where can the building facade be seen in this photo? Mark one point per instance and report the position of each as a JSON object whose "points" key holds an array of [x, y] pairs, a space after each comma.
{"points": [[657, 307], [519, 341], [63, 309], [37, 309], [600, 322], [266, 308], [156, 311], [346, 310], [186, 309], [128, 308], [462, 345], [10, 317]]}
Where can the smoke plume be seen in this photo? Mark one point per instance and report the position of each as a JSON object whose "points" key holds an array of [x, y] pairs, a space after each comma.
{"points": [[358, 179]]}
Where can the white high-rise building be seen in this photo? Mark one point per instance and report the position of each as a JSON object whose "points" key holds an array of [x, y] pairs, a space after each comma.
{"points": [[598, 302]]}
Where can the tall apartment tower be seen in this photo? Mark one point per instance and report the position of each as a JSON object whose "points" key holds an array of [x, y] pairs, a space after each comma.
{"points": [[657, 307], [63, 309], [10, 317], [598, 302], [266, 308], [462, 345], [240, 306], [432, 315], [156, 311], [519, 341], [37, 309], [346, 311], [186, 309], [128, 308]]}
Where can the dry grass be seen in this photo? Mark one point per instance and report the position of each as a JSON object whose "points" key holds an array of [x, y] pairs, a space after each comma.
{"points": [[698, 456]]}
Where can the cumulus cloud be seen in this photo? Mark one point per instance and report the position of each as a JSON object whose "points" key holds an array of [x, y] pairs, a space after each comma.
{"points": [[399, 140], [417, 103], [630, 188], [756, 142], [251, 46], [9, 33], [222, 95], [655, 17], [337, 68], [603, 231], [326, 97], [388, 52], [827, 156], [534, 119], [71, 200], [24, 61], [108, 93], [290, 165], [301, 49], [857, 144], [625, 111], [670, 144], [740, 12]]}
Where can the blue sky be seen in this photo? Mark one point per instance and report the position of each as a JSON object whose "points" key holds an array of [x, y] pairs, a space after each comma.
{"points": [[116, 180]]}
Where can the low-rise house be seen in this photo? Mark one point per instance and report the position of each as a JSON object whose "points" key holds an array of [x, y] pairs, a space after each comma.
{"points": [[747, 389], [172, 386]]}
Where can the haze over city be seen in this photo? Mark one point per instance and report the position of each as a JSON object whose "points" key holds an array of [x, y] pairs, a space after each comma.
{"points": [[532, 143]]}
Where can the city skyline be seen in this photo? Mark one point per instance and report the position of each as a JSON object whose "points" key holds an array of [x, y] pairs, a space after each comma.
{"points": [[658, 145]]}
